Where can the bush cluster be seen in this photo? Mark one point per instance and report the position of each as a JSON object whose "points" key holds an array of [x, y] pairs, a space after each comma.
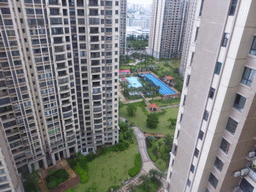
{"points": [[137, 166], [82, 173], [56, 178]]}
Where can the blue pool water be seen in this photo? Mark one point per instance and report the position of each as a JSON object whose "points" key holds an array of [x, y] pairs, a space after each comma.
{"points": [[133, 82], [165, 90]]}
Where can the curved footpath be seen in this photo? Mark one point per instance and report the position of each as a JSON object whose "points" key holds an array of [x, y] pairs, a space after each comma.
{"points": [[147, 163]]}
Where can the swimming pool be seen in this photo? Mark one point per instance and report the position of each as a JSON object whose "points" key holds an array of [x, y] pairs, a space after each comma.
{"points": [[133, 82], [164, 89]]}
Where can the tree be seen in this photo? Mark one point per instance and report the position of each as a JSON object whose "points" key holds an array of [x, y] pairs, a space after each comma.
{"points": [[146, 182], [168, 143], [155, 174], [132, 188], [173, 122], [152, 121], [131, 109]]}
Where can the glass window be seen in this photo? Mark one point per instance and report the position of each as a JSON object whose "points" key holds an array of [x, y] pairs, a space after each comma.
{"points": [[213, 180], [239, 102], [211, 93], [184, 100], [197, 29], [245, 186], [192, 168], [231, 125], [218, 164], [232, 9], [188, 182], [192, 57], [218, 68], [225, 39], [253, 48], [248, 76], [224, 146], [201, 8], [201, 135], [196, 152], [187, 82], [206, 115]]}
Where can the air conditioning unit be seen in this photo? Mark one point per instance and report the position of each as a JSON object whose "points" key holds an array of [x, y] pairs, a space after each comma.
{"points": [[237, 174], [244, 171], [251, 154]]}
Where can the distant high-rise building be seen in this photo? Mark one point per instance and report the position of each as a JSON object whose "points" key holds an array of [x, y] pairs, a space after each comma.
{"points": [[123, 15], [186, 33], [215, 139], [58, 78], [165, 39]]}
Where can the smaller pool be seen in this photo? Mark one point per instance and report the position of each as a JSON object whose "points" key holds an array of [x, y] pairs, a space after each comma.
{"points": [[133, 82]]}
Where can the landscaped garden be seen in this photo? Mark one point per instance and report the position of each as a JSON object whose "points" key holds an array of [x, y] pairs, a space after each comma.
{"points": [[110, 166], [159, 149], [140, 117], [55, 178]]}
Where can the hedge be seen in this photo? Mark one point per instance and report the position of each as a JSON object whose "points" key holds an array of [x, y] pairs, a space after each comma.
{"points": [[56, 178], [137, 166]]}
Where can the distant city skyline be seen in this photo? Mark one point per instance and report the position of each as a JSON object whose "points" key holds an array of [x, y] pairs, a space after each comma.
{"points": [[140, 2]]}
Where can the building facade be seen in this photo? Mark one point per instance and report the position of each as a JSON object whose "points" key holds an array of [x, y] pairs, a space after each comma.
{"points": [[166, 29], [214, 144], [123, 17], [59, 78], [190, 8]]}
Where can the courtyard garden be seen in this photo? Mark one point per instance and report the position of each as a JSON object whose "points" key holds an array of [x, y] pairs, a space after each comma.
{"points": [[140, 117], [110, 166]]}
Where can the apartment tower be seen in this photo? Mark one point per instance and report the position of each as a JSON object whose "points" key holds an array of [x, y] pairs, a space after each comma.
{"points": [[215, 139], [58, 78], [123, 8], [188, 21], [166, 29]]}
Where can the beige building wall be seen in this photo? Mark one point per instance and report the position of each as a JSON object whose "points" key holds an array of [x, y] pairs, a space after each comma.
{"points": [[215, 129]]}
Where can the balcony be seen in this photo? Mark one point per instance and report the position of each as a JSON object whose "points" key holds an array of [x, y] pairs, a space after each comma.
{"points": [[93, 3]]}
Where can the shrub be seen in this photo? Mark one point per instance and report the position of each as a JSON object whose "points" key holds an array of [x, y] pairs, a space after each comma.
{"points": [[91, 156], [120, 146], [83, 163], [151, 155], [137, 166], [82, 173], [30, 187], [72, 163], [70, 190], [56, 178]]}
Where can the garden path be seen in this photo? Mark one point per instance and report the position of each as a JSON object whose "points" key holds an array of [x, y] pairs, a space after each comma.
{"points": [[147, 163]]}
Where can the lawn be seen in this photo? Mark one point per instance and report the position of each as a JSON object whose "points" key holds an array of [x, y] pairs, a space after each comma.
{"points": [[140, 120], [108, 170]]}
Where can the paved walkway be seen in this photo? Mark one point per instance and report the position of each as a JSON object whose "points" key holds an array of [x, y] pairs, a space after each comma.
{"points": [[147, 164]]}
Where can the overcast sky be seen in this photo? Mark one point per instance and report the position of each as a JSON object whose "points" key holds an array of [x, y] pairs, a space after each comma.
{"points": [[140, 1]]}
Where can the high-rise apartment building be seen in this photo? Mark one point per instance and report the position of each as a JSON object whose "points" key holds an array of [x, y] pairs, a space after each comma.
{"points": [[166, 29], [123, 15], [188, 21], [58, 78], [215, 139]]}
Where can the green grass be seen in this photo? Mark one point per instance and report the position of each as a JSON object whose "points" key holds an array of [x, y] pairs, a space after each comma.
{"points": [[140, 120], [109, 169], [162, 103]]}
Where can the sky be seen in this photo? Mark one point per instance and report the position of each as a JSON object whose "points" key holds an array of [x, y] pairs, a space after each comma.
{"points": [[140, 1]]}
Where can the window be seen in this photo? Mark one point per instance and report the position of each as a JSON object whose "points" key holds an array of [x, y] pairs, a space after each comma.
{"points": [[232, 9], [192, 57], [187, 82], [225, 40], [188, 182], [213, 180], [197, 29], [218, 164], [201, 8], [246, 186], [192, 168], [196, 152], [211, 93], [231, 125], [206, 115], [218, 68], [181, 116], [178, 134], [201, 135], [239, 102], [184, 100], [224, 146], [253, 48], [174, 149], [248, 76]]}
